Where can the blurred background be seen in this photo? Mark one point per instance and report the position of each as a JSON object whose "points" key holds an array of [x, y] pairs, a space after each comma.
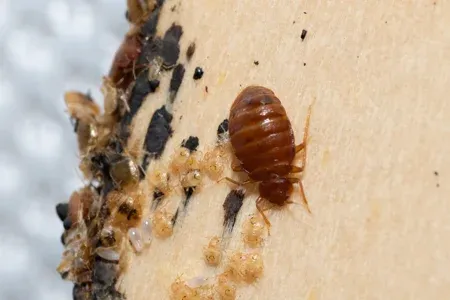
{"points": [[46, 48]]}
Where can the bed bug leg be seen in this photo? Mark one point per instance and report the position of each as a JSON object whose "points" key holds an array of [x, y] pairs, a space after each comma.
{"points": [[296, 169], [302, 192], [234, 181], [261, 211], [303, 145]]}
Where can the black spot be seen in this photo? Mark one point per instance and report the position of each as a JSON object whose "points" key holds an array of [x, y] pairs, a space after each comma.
{"points": [[158, 133], [304, 64], [104, 271], [175, 81], [67, 223], [63, 239], [62, 210], [127, 16], [232, 205], [154, 84], [222, 130], [304, 32], [293, 22], [256, 63], [82, 291], [171, 48], [191, 143], [149, 28], [198, 73], [75, 123], [304, 12], [172, 9], [190, 51], [188, 191], [104, 278], [206, 89], [436, 173], [157, 198], [175, 217], [140, 90]]}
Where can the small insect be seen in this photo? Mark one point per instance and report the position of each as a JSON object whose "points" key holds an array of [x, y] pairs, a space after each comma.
{"points": [[124, 171], [225, 287], [213, 162], [247, 267], [126, 208], [80, 203], [160, 180], [111, 243], [253, 230], [197, 288], [162, 224], [212, 252], [122, 71], [139, 9], [183, 160], [81, 107], [192, 178], [263, 141]]}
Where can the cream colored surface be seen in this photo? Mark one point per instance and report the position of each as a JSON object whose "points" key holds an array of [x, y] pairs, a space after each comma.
{"points": [[380, 74]]}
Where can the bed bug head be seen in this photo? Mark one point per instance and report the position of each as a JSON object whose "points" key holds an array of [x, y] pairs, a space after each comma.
{"points": [[276, 190]]}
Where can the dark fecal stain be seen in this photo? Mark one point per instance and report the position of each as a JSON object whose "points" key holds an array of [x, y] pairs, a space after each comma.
{"points": [[437, 185], [82, 291], [304, 12], [198, 73], [157, 198], [158, 133], [171, 47], [149, 27], [154, 84], [127, 16], [101, 163], [63, 239], [175, 217], [190, 51], [256, 63], [62, 210], [293, 22], [304, 64], [175, 81], [206, 89], [191, 143], [104, 278], [222, 130], [67, 223], [436, 173], [140, 90], [304, 32], [173, 8], [188, 192], [232, 205]]}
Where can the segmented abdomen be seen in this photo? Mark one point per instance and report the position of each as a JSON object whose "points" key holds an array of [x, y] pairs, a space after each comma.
{"points": [[261, 133]]}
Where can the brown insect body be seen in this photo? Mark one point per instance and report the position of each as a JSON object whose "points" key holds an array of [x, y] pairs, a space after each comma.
{"points": [[264, 143], [121, 72]]}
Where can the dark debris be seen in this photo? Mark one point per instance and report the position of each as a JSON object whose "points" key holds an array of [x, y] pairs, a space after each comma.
{"points": [[232, 205], [191, 143]]}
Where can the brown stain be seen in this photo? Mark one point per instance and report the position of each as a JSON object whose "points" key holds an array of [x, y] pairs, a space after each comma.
{"points": [[222, 78]]}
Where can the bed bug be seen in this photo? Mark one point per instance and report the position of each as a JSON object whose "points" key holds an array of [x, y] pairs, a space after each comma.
{"points": [[123, 66], [263, 141]]}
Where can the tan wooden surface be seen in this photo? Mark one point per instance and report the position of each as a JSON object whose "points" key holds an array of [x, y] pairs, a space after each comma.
{"points": [[380, 128]]}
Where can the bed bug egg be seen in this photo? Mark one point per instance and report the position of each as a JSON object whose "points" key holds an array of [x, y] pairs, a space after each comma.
{"points": [[212, 252], [136, 240], [146, 231], [253, 230], [225, 287], [162, 224]]}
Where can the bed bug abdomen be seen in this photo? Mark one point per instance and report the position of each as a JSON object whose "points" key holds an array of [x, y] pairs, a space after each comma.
{"points": [[261, 133]]}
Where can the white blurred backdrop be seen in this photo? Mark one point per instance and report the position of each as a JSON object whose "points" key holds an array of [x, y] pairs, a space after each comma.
{"points": [[46, 48]]}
